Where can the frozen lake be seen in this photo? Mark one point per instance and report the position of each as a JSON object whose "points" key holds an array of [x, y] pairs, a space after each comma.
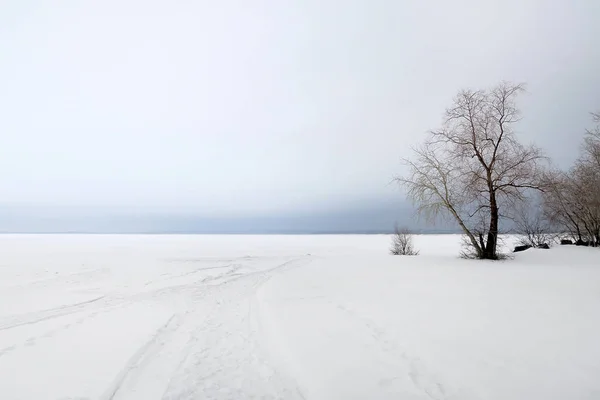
{"points": [[293, 317]]}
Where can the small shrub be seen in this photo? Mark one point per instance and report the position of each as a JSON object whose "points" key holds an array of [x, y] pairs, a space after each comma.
{"points": [[402, 244]]}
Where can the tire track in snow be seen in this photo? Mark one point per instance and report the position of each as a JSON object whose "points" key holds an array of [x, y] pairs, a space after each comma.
{"points": [[110, 302], [38, 316], [102, 303], [223, 357], [142, 355], [233, 267], [62, 279], [256, 321], [32, 340], [216, 312], [89, 309]]}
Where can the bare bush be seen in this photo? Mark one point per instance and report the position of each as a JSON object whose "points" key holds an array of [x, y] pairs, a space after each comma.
{"points": [[402, 244]]}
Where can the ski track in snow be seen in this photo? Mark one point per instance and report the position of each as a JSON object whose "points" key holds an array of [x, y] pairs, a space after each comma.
{"points": [[35, 317], [209, 349], [137, 359], [227, 338]]}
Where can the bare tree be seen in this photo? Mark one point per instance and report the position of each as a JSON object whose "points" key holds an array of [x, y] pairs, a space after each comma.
{"points": [[402, 243], [473, 169], [586, 191], [560, 204], [572, 199], [592, 142], [533, 226]]}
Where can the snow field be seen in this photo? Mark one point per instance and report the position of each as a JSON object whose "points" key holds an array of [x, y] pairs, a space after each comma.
{"points": [[293, 317]]}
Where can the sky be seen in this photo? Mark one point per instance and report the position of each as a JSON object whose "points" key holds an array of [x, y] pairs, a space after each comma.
{"points": [[266, 109]]}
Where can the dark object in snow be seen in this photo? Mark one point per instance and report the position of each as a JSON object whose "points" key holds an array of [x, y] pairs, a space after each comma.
{"points": [[521, 248], [543, 246], [566, 241], [582, 243]]}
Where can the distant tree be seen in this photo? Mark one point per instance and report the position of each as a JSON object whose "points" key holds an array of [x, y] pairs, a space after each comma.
{"points": [[572, 199], [402, 244], [591, 148], [474, 169], [586, 186], [532, 225], [560, 204]]}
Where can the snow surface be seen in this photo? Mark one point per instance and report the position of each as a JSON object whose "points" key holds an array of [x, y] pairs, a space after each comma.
{"points": [[293, 317]]}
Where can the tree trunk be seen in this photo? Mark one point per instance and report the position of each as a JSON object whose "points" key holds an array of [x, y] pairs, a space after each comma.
{"points": [[490, 252]]}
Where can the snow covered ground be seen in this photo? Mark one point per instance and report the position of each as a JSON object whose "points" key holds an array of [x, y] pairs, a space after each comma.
{"points": [[293, 317]]}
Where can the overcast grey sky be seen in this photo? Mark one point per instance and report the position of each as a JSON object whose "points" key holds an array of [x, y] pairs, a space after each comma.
{"points": [[241, 107]]}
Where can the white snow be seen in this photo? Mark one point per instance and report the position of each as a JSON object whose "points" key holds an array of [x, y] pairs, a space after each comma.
{"points": [[293, 317]]}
